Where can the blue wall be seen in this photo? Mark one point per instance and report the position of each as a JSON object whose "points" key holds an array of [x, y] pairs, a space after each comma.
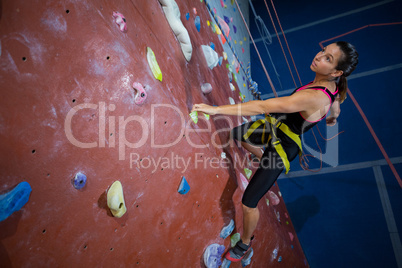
{"points": [[339, 216]]}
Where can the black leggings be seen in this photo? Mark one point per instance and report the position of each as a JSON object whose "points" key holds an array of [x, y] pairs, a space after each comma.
{"points": [[271, 165]]}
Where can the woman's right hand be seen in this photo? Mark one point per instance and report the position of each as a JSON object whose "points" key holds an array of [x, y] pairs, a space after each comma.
{"points": [[205, 108]]}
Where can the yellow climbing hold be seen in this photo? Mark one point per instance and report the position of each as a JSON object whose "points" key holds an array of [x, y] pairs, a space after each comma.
{"points": [[217, 30], [241, 42], [153, 64], [248, 172], [208, 23], [194, 116], [115, 199], [244, 85], [225, 55], [245, 39], [235, 41]]}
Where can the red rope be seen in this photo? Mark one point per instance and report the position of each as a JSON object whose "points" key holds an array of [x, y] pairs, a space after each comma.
{"points": [[286, 41], [258, 53], [280, 43]]}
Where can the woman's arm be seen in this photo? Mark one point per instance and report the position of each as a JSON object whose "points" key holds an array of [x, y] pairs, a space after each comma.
{"points": [[334, 113], [295, 103]]}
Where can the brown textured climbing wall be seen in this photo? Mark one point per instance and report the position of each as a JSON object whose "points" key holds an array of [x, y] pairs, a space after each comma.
{"points": [[63, 60]]}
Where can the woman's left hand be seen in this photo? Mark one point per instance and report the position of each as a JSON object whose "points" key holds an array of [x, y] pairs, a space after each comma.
{"points": [[331, 121], [205, 108]]}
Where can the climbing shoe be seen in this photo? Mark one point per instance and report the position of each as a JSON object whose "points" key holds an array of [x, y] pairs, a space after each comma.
{"points": [[238, 252]]}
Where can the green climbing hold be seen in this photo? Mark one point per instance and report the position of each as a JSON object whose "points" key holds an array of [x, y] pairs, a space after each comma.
{"points": [[267, 200], [153, 64], [234, 239], [194, 116], [206, 116], [248, 172]]}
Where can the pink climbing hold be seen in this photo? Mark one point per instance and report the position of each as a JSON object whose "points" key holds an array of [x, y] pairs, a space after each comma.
{"points": [[121, 21], [244, 181], [140, 94], [273, 198], [291, 236]]}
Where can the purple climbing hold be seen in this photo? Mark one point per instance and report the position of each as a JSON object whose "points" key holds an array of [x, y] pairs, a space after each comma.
{"points": [[234, 29], [227, 20], [212, 255], [79, 180], [206, 88], [140, 94]]}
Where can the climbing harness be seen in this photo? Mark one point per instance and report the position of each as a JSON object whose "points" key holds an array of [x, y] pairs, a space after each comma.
{"points": [[273, 137]]}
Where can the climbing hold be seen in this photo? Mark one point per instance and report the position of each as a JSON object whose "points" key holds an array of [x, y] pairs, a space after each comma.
{"points": [[206, 116], [248, 172], [234, 29], [194, 116], [247, 258], [227, 230], [234, 239], [241, 42], [212, 45], [220, 61], [223, 155], [172, 14], [231, 100], [273, 198], [244, 181], [291, 236], [225, 55], [79, 180], [232, 87], [279, 193], [222, 4], [226, 263], [183, 187], [194, 11], [210, 56], [217, 30], [286, 215], [197, 23], [187, 16], [267, 201], [275, 253], [208, 23], [153, 64], [115, 199], [242, 49], [206, 88], [227, 20], [212, 255], [140, 94], [14, 200], [225, 27], [280, 259], [121, 21]]}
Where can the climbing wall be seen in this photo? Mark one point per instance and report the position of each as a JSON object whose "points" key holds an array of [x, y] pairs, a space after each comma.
{"points": [[69, 107]]}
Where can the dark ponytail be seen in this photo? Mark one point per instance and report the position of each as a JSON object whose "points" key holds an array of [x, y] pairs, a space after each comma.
{"points": [[347, 63]]}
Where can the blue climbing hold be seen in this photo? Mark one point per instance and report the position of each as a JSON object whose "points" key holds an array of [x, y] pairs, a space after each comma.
{"points": [[247, 259], [184, 187], [227, 230], [14, 200], [79, 180], [212, 45], [188, 16], [220, 61], [212, 255], [197, 23], [280, 259], [234, 29], [227, 20], [226, 263]]}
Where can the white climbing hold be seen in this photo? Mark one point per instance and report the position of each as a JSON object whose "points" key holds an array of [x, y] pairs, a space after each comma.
{"points": [[231, 100], [172, 14], [210, 56]]}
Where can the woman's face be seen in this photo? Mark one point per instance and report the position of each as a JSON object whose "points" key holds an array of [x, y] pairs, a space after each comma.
{"points": [[326, 61]]}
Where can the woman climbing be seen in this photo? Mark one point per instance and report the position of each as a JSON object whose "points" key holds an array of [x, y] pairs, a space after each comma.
{"points": [[286, 119]]}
